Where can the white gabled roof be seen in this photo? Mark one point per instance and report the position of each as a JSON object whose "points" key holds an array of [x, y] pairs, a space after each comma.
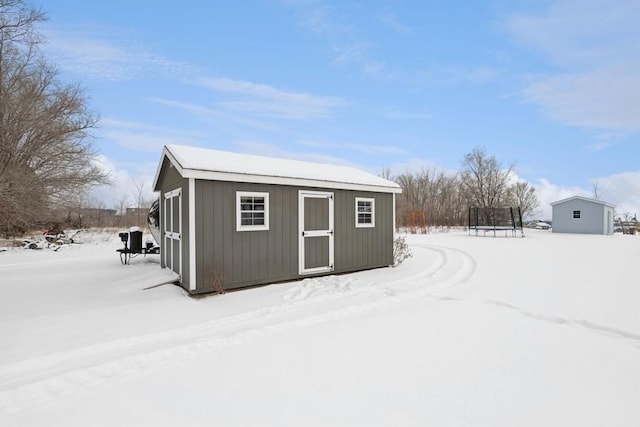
{"points": [[586, 199], [202, 163]]}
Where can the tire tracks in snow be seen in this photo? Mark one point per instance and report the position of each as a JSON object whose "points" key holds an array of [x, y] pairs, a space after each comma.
{"points": [[35, 381]]}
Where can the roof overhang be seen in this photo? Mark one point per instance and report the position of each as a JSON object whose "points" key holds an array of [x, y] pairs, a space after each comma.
{"points": [[211, 175], [584, 199]]}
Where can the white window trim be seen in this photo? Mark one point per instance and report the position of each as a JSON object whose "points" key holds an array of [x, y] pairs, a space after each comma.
{"points": [[239, 226], [373, 212]]}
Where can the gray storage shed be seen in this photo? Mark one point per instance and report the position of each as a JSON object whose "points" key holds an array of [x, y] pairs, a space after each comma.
{"points": [[232, 220], [582, 215]]}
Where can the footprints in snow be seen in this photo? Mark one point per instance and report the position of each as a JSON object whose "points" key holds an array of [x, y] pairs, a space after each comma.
{"points": [[633, 338]]}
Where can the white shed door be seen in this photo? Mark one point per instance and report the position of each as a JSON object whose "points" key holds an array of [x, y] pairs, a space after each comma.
{"points": [[172, 231], [315, 227]]}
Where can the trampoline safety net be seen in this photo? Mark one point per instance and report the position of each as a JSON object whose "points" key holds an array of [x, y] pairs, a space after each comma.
{"points": [[507, 220]]}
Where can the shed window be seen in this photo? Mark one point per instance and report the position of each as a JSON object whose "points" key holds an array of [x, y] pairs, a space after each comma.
{"points": [[577, 214], [252, 211], [365, 212]]}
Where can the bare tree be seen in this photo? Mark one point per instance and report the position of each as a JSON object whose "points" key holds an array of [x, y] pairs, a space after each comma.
{"points": [[445, 197], [75, 210], [596, 190], [122, 210], [45, 152], [522, 194], [99, 206], [485, 181], [386, 174], [435, 193], [141, 201]]}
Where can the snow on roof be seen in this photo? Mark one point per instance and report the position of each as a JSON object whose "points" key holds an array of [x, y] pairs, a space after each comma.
{"points": [[586, 199], [203, 163]]}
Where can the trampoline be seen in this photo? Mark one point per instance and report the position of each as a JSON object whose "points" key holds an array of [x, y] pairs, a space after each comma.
{"points": [[495, 221]]}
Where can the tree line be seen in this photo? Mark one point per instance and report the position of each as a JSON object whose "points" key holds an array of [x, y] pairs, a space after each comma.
{"points": [[443, 199]]}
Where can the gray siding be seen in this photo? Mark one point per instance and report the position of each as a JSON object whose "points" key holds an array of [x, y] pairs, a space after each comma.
{"points": [[593, 217], [245, 258], [362, 248]]}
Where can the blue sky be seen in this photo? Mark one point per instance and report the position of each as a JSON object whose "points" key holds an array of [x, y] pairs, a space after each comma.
{"points": [[553, 87]]}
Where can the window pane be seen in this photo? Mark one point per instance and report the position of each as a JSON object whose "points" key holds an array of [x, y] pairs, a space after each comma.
{"points": [[364, 218], [364, 212], [252, 211], [245, 218], [252, 218], [364, 206]]}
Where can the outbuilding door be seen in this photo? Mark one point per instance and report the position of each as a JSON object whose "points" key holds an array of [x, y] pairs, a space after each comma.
{"points": [[172, 224], [315, 226]]}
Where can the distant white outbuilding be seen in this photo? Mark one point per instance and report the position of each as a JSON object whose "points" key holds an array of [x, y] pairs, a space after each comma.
{"points": [[582, 215]]}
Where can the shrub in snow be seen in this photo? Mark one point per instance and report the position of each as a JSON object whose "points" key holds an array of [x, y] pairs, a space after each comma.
{"points": [[214, 281], [401, 250]]}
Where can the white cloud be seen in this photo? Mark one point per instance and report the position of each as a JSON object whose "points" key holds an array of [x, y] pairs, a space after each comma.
{"points": [[372, 148], [353, 146], [373, 68], [451, 74], [606, 98], [140, 141], [623, 190], [99, 54], [547, 193], [190, 107], [208, 113], [407, 115], [595, 45], [270, 150], [267, 100], [599, 146], [124, 181], [392, 21], [574, 32], [348, 47], [415, 164], [144, 137]]}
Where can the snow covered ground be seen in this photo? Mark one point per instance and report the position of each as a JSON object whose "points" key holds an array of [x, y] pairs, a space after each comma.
{"points": [[470, 331]]}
